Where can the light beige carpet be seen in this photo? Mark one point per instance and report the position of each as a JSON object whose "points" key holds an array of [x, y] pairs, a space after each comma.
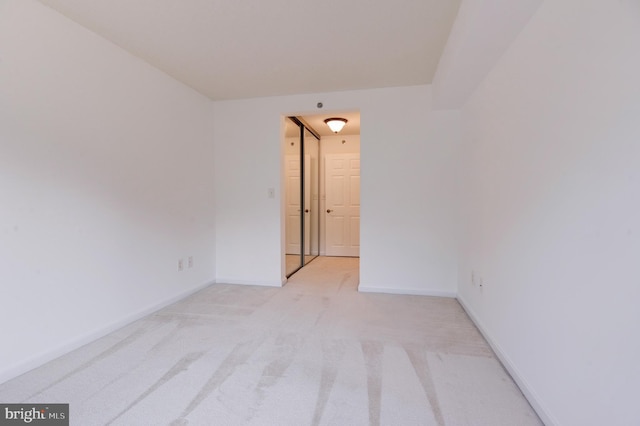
{"points": [[293, 261], [315, 352]]}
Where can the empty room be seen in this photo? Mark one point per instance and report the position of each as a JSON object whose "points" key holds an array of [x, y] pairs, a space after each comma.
{"points": [[185, 241]]}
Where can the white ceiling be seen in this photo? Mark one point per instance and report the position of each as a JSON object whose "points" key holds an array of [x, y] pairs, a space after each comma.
{"points": [[229, 49]]}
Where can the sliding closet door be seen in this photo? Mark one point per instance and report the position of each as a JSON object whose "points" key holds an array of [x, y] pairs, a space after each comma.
{"points": [[302, 185], [311, 195], [293, 199]]}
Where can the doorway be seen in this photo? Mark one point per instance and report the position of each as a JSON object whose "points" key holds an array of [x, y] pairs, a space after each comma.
{"points": [[322, 184]]}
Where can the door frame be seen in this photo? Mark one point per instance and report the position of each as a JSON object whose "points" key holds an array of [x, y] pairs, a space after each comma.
{"points": [[283, 117]]}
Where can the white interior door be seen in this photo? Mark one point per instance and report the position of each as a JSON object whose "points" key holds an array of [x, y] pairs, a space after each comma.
{"points": [[342, 187]]}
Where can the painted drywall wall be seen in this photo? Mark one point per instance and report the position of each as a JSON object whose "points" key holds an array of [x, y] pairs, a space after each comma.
{"points": [[408, 231], [480, 35], [552, 201], [105, 182], [335, 145]]}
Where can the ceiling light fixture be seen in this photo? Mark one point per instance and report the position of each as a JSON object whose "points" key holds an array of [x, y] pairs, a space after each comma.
{"points": [[336, 124]]}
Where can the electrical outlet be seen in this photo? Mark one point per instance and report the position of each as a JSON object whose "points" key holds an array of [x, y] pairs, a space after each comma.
{"points": [[190, 262], [180, 265]]}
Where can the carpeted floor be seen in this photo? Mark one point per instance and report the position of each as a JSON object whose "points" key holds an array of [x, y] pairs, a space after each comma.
{"points": [[315, 352], [293, 262]]}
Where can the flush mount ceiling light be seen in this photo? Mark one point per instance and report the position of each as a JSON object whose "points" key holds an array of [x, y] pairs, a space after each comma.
{"points": [[336, 124]]}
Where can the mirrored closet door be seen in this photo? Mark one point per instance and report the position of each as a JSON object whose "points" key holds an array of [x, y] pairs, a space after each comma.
{"points": [[302, 186]]}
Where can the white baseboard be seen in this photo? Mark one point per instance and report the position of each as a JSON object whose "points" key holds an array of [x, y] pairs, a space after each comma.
{"points": [[406, 291], [79, 341], [522, 383], [248, 282]]}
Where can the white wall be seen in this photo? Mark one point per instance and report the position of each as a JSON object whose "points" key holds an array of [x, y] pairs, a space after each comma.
{"points": [[481, 33], [334, 145], [105, 182], [552, 154], [408, 232]]}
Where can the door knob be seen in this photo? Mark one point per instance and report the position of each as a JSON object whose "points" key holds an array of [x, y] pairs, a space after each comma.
{"points": [[306, 210], [329, 210]]}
